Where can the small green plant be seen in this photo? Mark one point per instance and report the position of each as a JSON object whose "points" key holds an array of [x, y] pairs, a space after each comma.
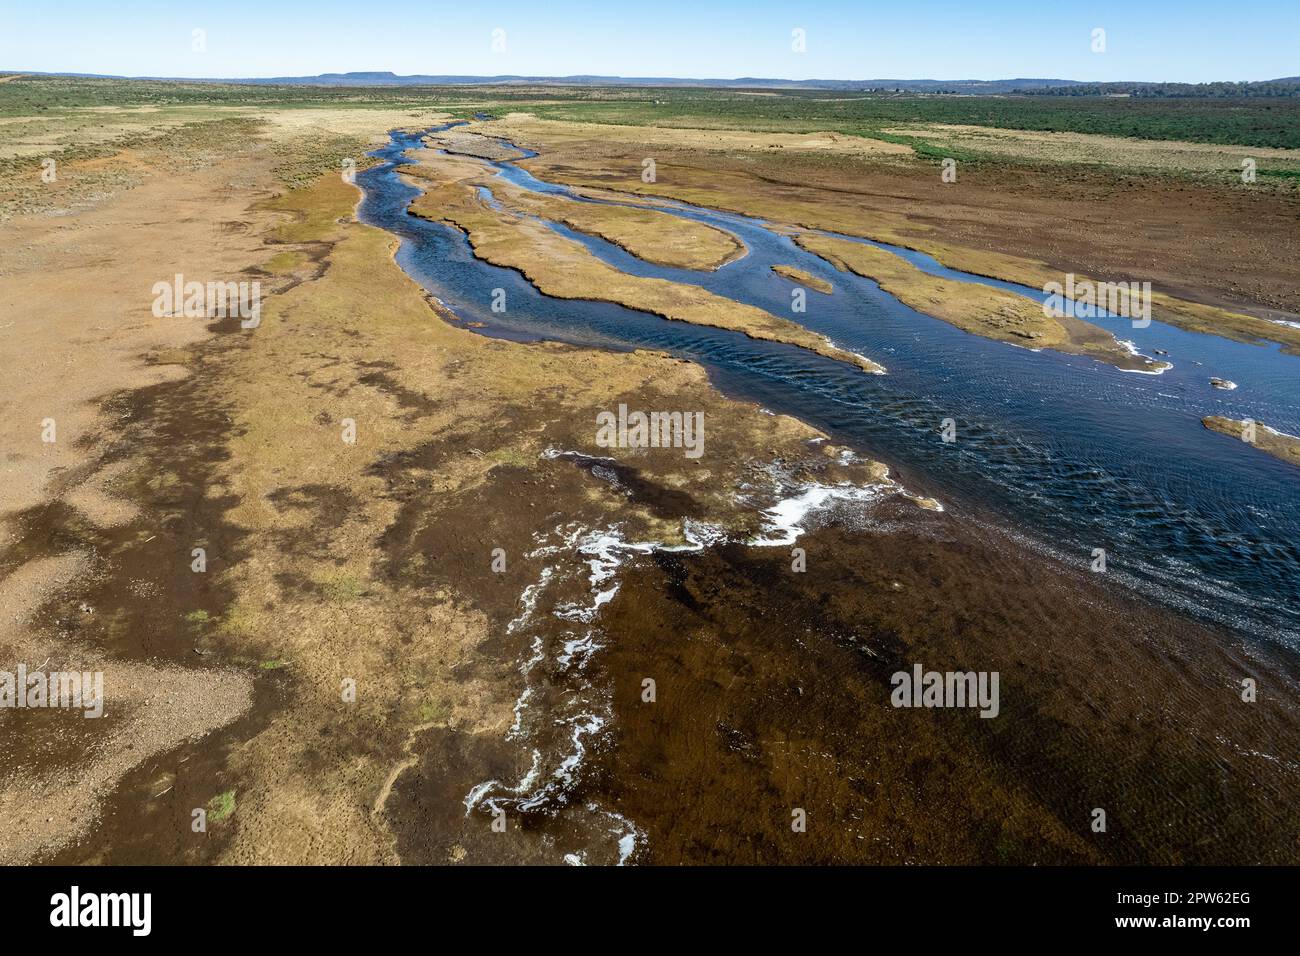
{"points": [[433, 711], [514, 457], [221, 806], [343, 588]]}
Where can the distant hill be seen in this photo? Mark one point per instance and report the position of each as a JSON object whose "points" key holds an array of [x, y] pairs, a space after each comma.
{"points": [[1286, 86], [384, 78]]}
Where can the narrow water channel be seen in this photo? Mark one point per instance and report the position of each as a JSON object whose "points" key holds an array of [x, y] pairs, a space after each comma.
{"points": [[1068, 453]]}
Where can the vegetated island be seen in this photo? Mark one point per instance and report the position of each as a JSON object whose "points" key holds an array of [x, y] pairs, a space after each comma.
{"points": [[565, 269], [983, 310], [804, 278], [1268, 440]]}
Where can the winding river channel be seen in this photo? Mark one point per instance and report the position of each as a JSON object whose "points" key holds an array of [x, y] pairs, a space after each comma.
{"points": [[1067, 453]]}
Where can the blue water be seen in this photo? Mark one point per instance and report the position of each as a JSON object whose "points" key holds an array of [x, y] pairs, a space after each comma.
{"points": [[1070, 453]]}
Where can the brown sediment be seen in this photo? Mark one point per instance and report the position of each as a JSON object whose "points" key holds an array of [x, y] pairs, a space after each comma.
{"points": [[135, 610], [772, 695], [1222, 260], [1104, 702], [128, 490], [1257, 434], [983, 310], [566, 269], [804, 278]]}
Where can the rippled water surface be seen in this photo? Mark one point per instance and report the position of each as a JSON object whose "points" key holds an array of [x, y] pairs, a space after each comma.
{"points": [[1073, 454]]}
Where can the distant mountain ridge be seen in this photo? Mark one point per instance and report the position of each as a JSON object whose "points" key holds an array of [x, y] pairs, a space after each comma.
{"points": [[1285, 86], [585, 79]]}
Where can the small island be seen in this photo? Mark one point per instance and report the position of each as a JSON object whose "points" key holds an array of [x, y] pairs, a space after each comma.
{"points": [[804, 278], [1269, 440]]}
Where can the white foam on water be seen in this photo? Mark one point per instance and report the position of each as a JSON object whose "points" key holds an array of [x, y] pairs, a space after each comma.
{"points": [[698, 534], [476, 794], [878, 370], [784, 520], [626, 847], [580, 650], [629, 840], [520, 703], [529, 601], [1132, 349], [557, 786], [553, 453], [604, 551], [479, 792], [538, 656]]}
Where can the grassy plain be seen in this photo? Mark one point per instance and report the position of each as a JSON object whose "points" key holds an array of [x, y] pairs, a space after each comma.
{"points": [[368, 561], [327, 561]]}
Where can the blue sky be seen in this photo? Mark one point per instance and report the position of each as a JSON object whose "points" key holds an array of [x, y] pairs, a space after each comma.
{"points": [[1192, 40]]}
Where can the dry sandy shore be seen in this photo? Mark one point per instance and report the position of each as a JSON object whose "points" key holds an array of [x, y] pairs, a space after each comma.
{"points": [[80, 330], [342, 673]]}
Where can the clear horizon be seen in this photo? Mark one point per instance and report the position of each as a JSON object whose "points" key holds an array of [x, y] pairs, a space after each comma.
{"points": [[1188, 42], [614, 76]]}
